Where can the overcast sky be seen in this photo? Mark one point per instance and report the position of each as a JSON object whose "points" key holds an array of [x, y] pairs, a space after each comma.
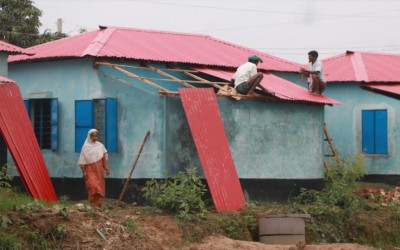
{"points": [[283, 28]]}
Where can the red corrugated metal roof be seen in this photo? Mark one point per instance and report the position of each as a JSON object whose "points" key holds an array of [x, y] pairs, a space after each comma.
{"points": [[11, 49], [362, 67], [5, 80], [278, 87], [163, 46], [202, 113], [390, 88], [17, 131]]}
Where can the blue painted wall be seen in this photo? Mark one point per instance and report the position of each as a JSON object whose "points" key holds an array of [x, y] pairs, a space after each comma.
{"points": [[267, 139], [3, 64], [344, 124]]}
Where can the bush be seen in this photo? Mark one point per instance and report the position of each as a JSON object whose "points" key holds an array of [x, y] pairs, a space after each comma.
{"points": [[5, 178], [341, 185], [181, 195], [334, 209]]}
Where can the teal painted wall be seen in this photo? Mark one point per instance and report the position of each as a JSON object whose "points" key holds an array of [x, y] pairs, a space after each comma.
{"points": [[3, 64], [267, 139], [344, 124], [294, 78]]}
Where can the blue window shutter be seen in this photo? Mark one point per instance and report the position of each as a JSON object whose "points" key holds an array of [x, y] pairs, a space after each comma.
{"points": [[28, 107], [54, 124], [381, 145], [84, 121], [368, 131], [111, 128]]}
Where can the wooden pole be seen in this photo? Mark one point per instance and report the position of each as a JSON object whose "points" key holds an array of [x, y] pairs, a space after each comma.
{"points": [[170, 76], [133, 168]]}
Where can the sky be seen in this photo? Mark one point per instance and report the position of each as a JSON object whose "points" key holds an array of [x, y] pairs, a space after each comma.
{"points": [[284, 28]]}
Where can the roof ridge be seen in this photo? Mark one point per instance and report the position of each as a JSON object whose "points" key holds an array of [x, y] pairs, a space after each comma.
{"points": [[253, 50], [152, 31], [360, 71], [98, 42]]}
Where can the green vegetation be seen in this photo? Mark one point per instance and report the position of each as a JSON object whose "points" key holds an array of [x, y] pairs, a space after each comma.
{"points": [[20, 23], [339, 213], [5, 178], [181, 195], [9, 242]]}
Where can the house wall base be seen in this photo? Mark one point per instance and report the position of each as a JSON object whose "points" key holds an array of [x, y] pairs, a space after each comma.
{"points": [[276, 190], [387, 179], [3, 152]]}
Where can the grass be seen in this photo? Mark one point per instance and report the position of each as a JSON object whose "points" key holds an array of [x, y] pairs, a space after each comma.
{"points": [[371, 224], [9, 199]]}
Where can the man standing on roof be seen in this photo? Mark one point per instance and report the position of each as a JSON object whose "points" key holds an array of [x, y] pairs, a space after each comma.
{"points": [[315, 74], [246, 78]]}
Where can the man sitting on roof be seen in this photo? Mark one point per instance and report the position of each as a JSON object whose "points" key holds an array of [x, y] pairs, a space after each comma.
{"points": [[315, 74], [246, 78]]}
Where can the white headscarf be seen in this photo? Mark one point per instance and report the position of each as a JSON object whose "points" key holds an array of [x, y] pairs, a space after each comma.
{"points": [[91, 151]]}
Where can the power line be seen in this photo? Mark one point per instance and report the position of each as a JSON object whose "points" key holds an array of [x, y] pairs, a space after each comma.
{"points": [[269, 11]]}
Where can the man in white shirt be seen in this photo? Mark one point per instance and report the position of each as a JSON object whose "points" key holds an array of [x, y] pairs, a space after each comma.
{"points": [[246, 78], [315, 74]]}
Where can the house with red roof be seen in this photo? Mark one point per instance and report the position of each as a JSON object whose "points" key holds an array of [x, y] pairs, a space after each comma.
{"points": [[125, 81], [368, 121], [6, 49]]}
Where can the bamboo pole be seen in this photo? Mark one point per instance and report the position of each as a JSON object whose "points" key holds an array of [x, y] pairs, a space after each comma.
{"points": [[130, 74], [161, 79], [133, 168], [202, 79], [140, 67], [170, 76]]}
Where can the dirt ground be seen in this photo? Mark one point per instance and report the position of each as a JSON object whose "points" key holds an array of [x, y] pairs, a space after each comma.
{"points": [[130, 229]]}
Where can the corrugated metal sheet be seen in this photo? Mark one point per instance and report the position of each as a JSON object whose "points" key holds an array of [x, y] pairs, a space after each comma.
{"points": [[19, 136], [362, 67], [11, 49], [212, 145], [163, 46], [5, 80], [390, 88], [279, 87]]}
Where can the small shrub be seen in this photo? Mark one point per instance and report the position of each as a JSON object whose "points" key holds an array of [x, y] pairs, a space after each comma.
{"points": [[4, 222], [10, 242], [38, 240], [341, 185], [335, 208], [232, 227], [34, 206], [238, 225], [5, 178], [131, 224], [59, 232], [181, 195]]}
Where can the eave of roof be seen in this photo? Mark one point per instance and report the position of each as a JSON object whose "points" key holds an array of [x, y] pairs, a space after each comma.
{"points": [[388, 88], [6, 80], [12, 49], [279, 87]]}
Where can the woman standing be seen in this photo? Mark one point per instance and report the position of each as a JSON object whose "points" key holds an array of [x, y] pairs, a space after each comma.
{"points": [[93, 162]]}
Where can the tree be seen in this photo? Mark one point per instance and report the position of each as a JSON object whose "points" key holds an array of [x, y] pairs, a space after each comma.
{"points": [[48, 36], [20, 23]]}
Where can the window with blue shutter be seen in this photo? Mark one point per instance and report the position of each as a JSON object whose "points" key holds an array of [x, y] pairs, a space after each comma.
{"points": [[43, 114], [374, 132], [111, 128], [100, 114], [84, 121]]}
